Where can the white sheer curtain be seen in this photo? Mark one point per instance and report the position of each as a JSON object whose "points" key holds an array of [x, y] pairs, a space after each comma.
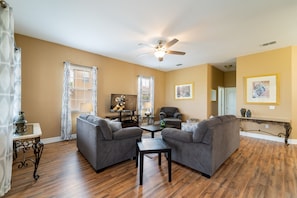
{"points": [[66, 117], [6, 96], [94, 92], [145, 95]]}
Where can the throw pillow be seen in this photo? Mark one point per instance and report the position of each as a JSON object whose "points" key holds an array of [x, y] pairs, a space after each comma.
{"points": [[114, 125]]}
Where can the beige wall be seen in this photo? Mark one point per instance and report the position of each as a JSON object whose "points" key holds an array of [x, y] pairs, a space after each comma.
{"points": [[190, 108], [230, 79], [270, 62], [294, 92], [217, 79], [42, 77]]}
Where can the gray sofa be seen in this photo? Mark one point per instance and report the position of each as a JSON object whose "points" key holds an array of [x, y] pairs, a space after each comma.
{"points": [[104, 143], [206, 147]]}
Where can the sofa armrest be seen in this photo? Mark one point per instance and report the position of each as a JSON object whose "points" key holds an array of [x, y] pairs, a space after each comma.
{"points": [[177, 134], [178, 115], [126, 133], [162, 115]]}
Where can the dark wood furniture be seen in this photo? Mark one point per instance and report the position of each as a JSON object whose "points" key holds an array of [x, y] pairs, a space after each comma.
{"points": [[154, 128], [147, 146], [126, 117]]}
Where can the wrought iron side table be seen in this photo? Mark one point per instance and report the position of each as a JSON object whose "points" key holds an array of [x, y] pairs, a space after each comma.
{"points": [[24, 142]]}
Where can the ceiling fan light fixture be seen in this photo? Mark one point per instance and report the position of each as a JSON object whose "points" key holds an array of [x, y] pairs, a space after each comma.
{"points": [[159, 54]]}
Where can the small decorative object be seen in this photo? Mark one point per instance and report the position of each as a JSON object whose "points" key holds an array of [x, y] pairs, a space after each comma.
{"points": [[242, 111], [162, 123], [147, 113], [248, 113], [20, 123]]}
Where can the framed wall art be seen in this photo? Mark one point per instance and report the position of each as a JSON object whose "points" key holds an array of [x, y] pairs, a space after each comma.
{"points": [[184, 91], [262, 89]]}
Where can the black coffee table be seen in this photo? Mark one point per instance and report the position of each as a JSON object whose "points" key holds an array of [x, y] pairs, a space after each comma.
{"points": [[151, 145], [154, 128]]}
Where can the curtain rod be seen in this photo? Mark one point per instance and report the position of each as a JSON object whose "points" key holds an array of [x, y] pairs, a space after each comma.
{"points": [[3, 4], [79, 65]]}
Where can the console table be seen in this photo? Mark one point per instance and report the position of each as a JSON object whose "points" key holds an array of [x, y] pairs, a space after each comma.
{"points": [[23, 142], [126, 117], [262, 125]]}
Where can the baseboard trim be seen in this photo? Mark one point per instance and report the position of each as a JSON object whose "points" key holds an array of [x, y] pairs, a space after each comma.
{"points": [[268, 137], [55, 139]]}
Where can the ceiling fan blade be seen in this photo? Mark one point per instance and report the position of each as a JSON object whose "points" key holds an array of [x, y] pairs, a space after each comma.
{"points": [[175, 52], [170, 43]]}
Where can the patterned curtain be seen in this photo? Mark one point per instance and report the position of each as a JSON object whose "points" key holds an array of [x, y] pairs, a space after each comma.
{"points": [[66, 122], [17, 82], [6, 96]]}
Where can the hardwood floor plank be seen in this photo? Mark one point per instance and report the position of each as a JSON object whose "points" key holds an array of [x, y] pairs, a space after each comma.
{"points": [[258, 168]]}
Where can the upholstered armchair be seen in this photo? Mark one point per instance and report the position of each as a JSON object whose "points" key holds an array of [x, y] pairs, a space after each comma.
{"points": [[171, 116]]}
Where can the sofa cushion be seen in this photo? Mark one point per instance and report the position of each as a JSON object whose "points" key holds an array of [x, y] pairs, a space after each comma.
{"points": [[126, 133], [114, 125], [202, 128], [83, 116], [105, 129], [190, 127]]}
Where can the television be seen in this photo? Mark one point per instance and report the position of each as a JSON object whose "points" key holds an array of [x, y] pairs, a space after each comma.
{"points": [[123, 102]]}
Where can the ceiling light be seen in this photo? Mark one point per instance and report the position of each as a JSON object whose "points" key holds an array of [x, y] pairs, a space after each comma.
{"points": [[159, 53], [228, 66]]}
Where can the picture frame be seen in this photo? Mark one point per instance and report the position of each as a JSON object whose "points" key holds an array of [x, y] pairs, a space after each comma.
{"points": [[262, 89], [184, 91]]}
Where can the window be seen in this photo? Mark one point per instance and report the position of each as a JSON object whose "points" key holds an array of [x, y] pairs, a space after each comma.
{"points": [[81, 89], [79, 95], [145, 95]]}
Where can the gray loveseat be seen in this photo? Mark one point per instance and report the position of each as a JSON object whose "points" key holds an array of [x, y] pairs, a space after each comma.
{"points": [[207, 147], [103, 143]]}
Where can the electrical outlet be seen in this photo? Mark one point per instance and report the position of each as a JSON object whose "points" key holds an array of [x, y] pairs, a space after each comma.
{"points": [[271, 107], [266, 126]]}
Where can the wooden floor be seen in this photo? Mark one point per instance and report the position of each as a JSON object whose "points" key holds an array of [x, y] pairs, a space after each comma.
{"points": [[258, 168]]}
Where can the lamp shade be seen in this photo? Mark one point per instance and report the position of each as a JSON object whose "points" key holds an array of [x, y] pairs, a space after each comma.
{"points": [[86, 107]]}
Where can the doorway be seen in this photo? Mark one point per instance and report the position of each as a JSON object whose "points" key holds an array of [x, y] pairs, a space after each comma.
{"points": [[227, 100]]}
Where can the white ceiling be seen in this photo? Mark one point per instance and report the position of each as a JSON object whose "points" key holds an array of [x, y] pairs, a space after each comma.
{"points": [[209, 31]]}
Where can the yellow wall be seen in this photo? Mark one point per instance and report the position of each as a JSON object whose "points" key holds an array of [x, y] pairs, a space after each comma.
{"points": [[294, 93], [270, 62], [190, 108], [42, 77], [217, 79], [230, 79]]}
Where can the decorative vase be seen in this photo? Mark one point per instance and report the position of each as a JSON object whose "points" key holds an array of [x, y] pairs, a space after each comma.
{"points": [[242, 111], [248, 113], [162, 123], [20, 123]]}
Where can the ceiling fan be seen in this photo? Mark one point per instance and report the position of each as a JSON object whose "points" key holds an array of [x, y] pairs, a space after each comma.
{"points": [[162, 48]]}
